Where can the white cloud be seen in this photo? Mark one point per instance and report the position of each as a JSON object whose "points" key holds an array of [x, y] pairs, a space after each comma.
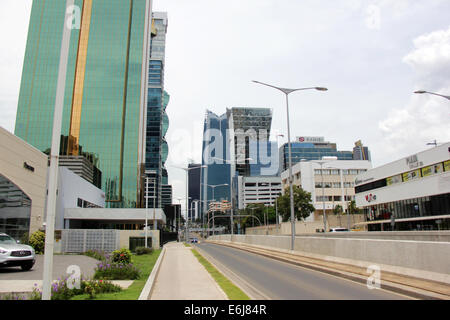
{"points": [[424, 118]]}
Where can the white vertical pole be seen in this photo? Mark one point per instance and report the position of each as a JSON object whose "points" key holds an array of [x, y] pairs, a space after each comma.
{"points": [[146, 210], [54, 156]]}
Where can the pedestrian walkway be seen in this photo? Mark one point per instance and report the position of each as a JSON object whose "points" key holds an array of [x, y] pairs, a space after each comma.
{"points": [[182, 277]]}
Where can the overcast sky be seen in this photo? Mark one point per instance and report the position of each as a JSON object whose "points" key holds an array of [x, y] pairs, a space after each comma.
{"points": [[371, 55]]}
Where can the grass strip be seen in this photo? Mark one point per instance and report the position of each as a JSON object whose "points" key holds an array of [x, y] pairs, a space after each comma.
{"points": [[145, 264], [232, 291]]}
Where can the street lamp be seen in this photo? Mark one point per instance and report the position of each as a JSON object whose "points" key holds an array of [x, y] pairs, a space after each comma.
{"points": [[54, 155], [436, 94], [147, 178], [187, 192], [231, 190], [321, 163], [287, 91], [214, 199]]}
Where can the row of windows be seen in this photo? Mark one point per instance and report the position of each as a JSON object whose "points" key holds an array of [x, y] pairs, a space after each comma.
{"points": [[336, 171], [406, 176], [334, 198], [334, 184]]}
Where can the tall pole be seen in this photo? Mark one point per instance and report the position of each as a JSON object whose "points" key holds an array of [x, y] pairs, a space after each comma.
{"points": [[291, 191], [214, 199], [187, 204], [154, 204], [323, 200], [54, 156], [146, 210]]}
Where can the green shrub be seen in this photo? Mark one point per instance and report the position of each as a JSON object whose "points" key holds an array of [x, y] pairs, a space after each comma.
{"points": [[116, 271], [25, 238], [121, 256], [143, 250], [37, 241], [60, 290]]}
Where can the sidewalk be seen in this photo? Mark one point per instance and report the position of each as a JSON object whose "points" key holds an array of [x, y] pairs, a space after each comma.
{"points": [[182, 277]]}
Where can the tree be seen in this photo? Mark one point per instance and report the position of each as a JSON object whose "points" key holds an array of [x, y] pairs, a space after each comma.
{"points": [[338, 210], [303, 206], [352, 208]]}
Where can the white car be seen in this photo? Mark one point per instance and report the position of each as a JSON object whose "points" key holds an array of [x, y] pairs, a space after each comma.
{"points": [[13, 254], [338, 230]]}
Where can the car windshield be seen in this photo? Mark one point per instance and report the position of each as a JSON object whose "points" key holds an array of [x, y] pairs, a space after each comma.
{"points": [[4, 239]]}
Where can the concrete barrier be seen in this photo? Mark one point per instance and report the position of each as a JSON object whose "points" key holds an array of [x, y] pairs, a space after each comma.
{"points": [[422, 259]]}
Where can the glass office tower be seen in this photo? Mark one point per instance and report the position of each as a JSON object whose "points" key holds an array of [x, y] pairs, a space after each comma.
{"points": [[157, 124], [105, 91]]}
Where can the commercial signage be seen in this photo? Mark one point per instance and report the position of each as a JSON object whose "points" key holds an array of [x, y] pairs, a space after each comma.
{"points": [[413, 162], [412, 175], [394, 180], [370, 197], [310, 139], [434, 169]]}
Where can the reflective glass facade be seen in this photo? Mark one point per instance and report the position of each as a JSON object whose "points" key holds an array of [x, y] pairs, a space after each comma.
{"points": [[310, 151], [157, 149], [103, 87], [15, 209], [215, 136]]}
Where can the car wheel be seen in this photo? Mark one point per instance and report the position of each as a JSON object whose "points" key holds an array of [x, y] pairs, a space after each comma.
{"points": [[27, 266]]}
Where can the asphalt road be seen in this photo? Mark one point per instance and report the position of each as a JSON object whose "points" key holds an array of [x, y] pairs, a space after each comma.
{"points": [[60, 265], [282, 281]]}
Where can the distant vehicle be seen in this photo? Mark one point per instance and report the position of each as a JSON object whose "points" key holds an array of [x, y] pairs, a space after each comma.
{"points": [[338, 230], [13, 254], [194, 240]]}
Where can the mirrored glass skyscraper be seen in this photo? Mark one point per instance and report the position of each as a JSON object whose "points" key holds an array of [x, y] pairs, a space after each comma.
{"points": [[106, 87]]}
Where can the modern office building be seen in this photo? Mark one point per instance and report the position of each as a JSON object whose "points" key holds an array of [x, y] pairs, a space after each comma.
{"points": [[412, 193], [246, 125], [105, 92], [259, 189], [215, 176], [157, 121], [360, 152], [233, 145], [330, 183], [310, 148], [194, 189]]}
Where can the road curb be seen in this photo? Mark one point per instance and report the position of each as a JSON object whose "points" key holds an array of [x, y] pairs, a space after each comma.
{"points": [[249, 290], [403, 288], [147, 290]]}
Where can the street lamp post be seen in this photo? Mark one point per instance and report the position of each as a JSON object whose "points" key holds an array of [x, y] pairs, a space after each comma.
{"points": [[231, 190], [214, 199], [54, 155], [187, 192], [436, 94], [321, 163], [287, 91]]}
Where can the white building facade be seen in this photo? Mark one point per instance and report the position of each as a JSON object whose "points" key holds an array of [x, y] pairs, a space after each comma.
{"points": [[412, 193], [261, 189], [330, 183]]}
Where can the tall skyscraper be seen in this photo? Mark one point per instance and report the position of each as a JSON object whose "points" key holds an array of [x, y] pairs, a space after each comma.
{"points": [[233, 146], [157, 124], [106, 87], [194, 188]]}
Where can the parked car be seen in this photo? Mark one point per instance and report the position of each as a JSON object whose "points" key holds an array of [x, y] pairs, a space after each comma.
{"points": [[13, 254], [194, 240], [338, 230]]}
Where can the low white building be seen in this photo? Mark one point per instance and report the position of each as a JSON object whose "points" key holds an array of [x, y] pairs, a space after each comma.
{"points": [[330, 182], [412, 193], [261, 189], [75, 192]]}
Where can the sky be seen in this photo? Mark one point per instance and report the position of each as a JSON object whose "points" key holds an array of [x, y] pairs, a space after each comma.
{"points": [[371, 55]]}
